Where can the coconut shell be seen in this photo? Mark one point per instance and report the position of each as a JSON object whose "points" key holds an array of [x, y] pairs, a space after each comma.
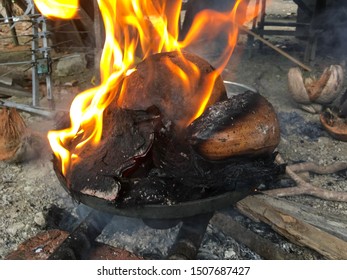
{"points": [[245, 125], [156, 82], [310, 90], [334, 125], [297, 87], [333, 84]]}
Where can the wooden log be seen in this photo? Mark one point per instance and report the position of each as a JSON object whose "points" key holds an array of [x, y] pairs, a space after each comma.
{"points": [[42, 245], [335, 225], [263, 247], [293, 228]]}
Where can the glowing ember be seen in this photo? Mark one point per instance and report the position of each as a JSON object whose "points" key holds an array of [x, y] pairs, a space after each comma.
{"points": [[137, 28]]}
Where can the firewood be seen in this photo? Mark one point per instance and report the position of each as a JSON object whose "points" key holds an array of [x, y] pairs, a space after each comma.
{"points": [[39, 247], [42, 245], [333, 224], [263, 247], [294, 229]]}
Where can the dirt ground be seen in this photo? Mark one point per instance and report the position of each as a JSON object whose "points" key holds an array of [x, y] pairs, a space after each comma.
{"points": [[28, 190]]}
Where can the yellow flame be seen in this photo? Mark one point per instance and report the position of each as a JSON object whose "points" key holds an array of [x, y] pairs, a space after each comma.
{"points": [[64, 9], [134, 28]]}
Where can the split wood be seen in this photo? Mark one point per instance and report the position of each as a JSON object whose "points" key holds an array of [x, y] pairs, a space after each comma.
{"points": [[307, 188], [296, 228]]}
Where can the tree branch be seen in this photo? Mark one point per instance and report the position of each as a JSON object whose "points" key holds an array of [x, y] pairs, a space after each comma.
{"points": [[307, 188]]}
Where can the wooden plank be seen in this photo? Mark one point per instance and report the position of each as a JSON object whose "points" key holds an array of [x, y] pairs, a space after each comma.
{"points": [[294, 229], [335, 225]]}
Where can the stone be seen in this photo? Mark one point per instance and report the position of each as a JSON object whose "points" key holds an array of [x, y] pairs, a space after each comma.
{"points": [[40, 219], [230, 254], [71, 65], [13, 229]]}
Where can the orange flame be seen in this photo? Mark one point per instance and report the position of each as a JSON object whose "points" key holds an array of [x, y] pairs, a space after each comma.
{"points": [[151, 26]]}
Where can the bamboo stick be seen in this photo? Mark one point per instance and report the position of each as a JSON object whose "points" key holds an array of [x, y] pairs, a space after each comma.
{"points": [[293, 59]]}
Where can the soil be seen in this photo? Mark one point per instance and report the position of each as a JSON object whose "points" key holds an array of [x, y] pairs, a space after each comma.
{"points": [[29, 190]]}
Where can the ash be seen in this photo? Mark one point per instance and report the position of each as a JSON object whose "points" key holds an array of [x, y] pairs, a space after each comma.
{"points": [[218, 246], [133, 235]]}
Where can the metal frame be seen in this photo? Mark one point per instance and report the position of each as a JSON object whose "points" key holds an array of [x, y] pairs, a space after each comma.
{"points": [[37, 53]]}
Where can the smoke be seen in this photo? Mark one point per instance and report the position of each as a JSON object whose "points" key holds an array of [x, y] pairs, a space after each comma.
{"points": [[333, 24], [206, 48]]}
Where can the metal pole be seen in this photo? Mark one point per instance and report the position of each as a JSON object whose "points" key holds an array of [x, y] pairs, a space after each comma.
{"points": [[48, 75], [34, 47], [27, 108]]}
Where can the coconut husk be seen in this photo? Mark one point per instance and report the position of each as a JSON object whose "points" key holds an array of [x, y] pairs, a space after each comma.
{"points": [[12, 129], [17, 142]]}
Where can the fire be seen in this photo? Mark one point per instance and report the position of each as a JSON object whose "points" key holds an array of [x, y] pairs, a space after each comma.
{"points": [[133, 28], [58, 8]]}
